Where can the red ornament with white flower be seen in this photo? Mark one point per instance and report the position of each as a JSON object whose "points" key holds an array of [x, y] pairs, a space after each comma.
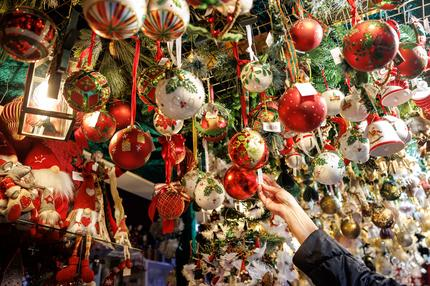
{"points": [[98, 126], [248, 149], [130, 148]]}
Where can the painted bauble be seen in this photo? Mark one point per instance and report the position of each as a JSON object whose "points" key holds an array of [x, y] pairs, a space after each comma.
{"points": [[353, 108], [121, 111], [98, 126], [370, 45], [350, 228], [256, 77], [189, 181], [240, 184], [86, 91], [209, 193], [212, 122], [329, 168], [400, 127], [329, 205], [307, 34], [306, 142], [248, 150], [390, 190], [294, 160], [166, 20], [227, 7], [148, 82], [354, 146], [115, 19], [166, 126], [383, 217], [333, 99], [388, 4], [181, 96], [301, 113], [130, 148], [265, 117], [170, 202], [415, 58], [27, 35]]}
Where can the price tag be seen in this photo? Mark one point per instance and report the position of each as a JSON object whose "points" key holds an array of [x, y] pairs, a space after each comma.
{"points": [[77, 176], [260, 177], [272, 127], [95, 166], [163, 61], [269, 40], [337, 56], [126, 272], [398, 59], [306, 89]]}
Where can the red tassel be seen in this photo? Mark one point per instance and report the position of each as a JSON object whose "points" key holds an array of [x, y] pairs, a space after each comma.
{"points": [[153, 208], [168, 226]]}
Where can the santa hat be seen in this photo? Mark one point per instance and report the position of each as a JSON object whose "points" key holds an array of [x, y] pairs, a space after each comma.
{"points": [[41, 157], [7, 152]]}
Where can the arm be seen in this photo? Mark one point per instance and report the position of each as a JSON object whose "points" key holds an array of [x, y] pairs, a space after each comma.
{"points": [[321, 258]]}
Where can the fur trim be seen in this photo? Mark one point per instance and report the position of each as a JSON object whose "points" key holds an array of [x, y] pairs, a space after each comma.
{"points": [[60, 182], [50, 218]]}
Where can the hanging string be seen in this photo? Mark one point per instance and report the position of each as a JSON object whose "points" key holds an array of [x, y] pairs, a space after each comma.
{"points": [[134, 75], [211, 94], [195, 138], [206, 150], [250, 51], [325, 79], [238, 72], [179, 52]]}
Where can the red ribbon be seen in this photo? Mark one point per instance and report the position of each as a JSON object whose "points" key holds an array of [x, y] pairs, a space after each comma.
{"points": [[325, 79], [88, 51], [159, 54], [354, 12], [211, 94], [348, 82], [134, 75], [289, 146], [342, 125], [238, 71], [172, 148]]}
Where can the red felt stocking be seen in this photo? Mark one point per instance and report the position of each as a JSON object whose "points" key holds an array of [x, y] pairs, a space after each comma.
{"points": [[69, 272], [87, 273]]}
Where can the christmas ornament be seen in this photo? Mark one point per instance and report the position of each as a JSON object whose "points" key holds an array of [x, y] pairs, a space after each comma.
{"points": [[388, 4], [386, 233], [130, 148], [86, 91], [307, 34], [353, 107], [384, 140], [370, 45], [240, 184], [181, 96], [333, 99], [329, 205], [294, 160], [98, 126], [147, 83], [383, 217], [404, 238], [27, 35], [389, 190], [306, 142], [301, 113], [227, 7], [328, 168], [256, 77], [115, 19], [354, 146], [247, 149], [396, 93], [209, 194], [189, 181], [212, 122], [166, 20], [350, 228], [415, 60], [166, 126], [265, 117], [400, 127], [10, 117], [121, 111]]}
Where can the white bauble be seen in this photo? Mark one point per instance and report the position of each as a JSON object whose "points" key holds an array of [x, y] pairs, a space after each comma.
{"points": [[294, 160], [189, 181], [166, 126], [353, 108], [256, 77], [209, 193], [306, 141], [400, 127], [354, 146], [181, 96], [329, 168], [227, 6], [333, 98]]}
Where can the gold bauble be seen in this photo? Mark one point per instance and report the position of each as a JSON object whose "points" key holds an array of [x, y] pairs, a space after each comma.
{"points": [[404, 238], [350, 228], [425, 222], [383, 217], [390, 190], [268, 279], [328, 205]]}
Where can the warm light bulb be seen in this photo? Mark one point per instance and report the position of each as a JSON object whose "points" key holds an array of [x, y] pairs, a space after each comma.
{"points": [[41, 99]]}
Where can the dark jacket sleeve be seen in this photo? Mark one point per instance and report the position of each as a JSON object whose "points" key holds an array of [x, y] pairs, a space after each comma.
{"points": [[325, 262]]}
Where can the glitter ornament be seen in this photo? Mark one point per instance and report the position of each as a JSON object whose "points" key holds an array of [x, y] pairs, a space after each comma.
{"points": [[389, 190], [148, 82], [209, 194], [248, 150], [370, 45], [240, 184], [350, 228], [166, 20], [256, 77], [301, 113], [166, 126], [130, 148], [383, 217], [98, 126], [329, 168], [307, 34], [333, 99], [170, 202], [121, 111], [115, 19], [86, 91], [181, 96], [416, 60], [27, 35], [212, 122]]}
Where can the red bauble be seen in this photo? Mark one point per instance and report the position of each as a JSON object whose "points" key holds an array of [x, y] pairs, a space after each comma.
{"points": [[307, 34], [170, 203], [370, 45], [130, 148], [301, 113], [415, 58], [98, 126], [388, 4], [240, 184], [121, 111], [247, 149]]}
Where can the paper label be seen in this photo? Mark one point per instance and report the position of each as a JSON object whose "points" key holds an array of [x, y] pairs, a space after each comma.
{"points": [[77, 176], [336, 54], [163, 61], [272, 127], [306, 89], [260, 177], [126, 272]]}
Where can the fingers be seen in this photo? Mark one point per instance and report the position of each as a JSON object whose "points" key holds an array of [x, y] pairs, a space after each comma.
{"points": [[269, 181], [270, 189]]}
